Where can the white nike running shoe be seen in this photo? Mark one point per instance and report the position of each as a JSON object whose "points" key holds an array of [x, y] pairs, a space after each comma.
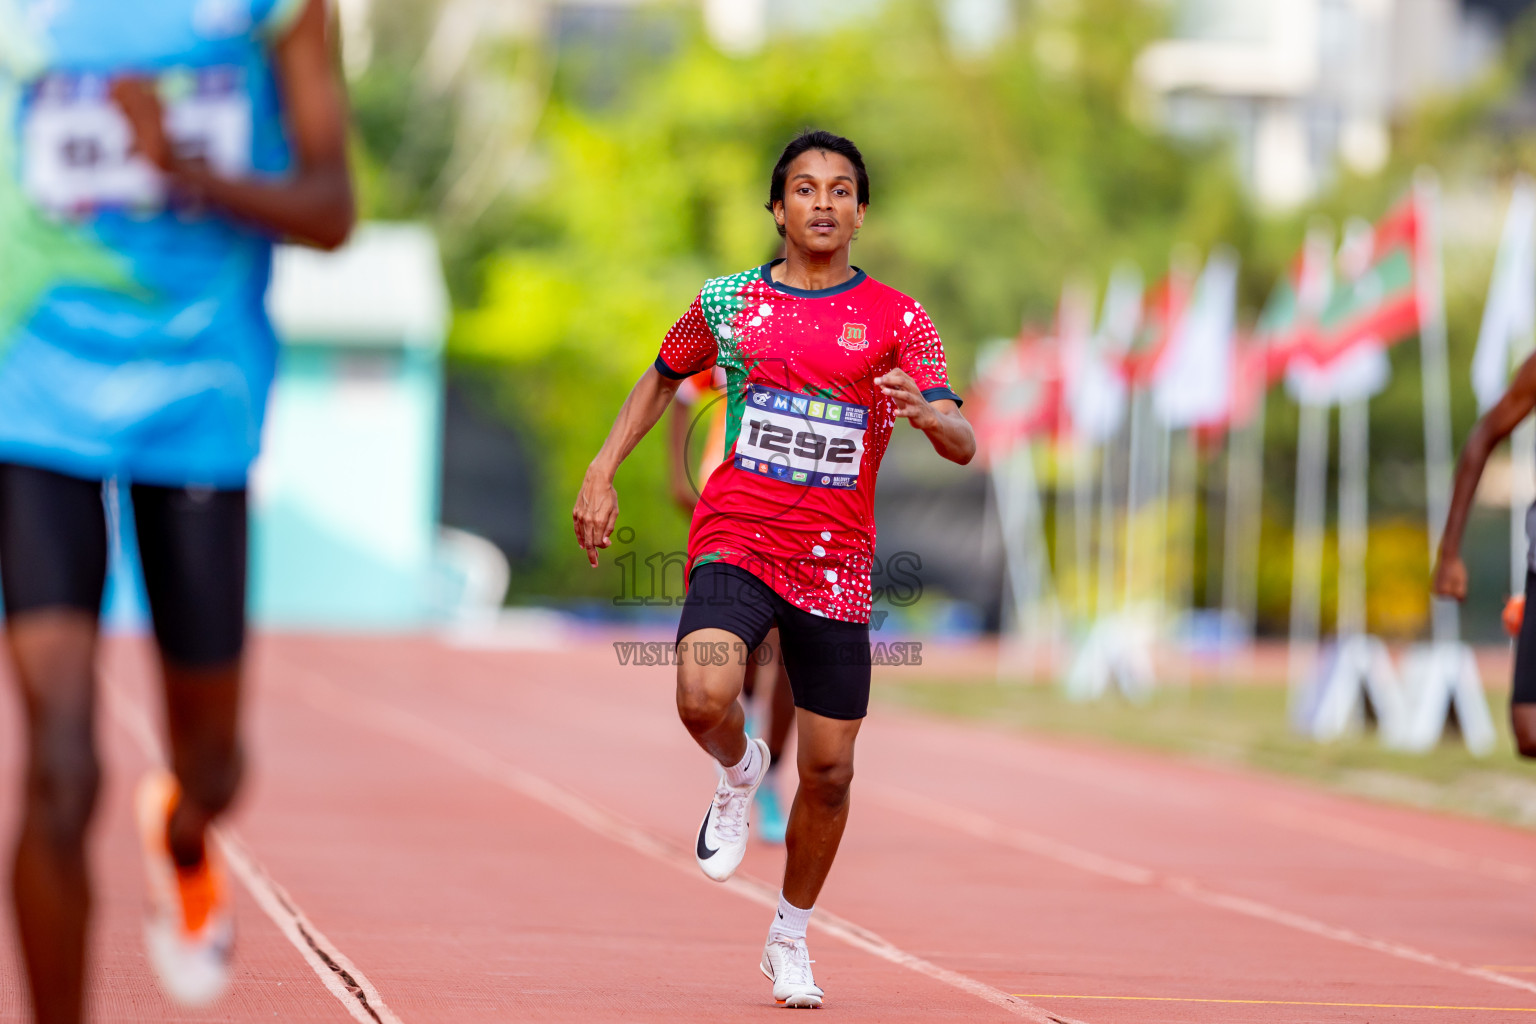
{"points": [[723, 836], [787, 963], [189, 930]]}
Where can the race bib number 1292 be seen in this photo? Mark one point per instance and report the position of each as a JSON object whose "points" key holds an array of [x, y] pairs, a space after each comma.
{"points": [[801, 440]]}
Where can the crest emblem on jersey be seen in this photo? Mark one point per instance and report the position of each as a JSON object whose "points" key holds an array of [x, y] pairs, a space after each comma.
{"points": [[853, 337]]}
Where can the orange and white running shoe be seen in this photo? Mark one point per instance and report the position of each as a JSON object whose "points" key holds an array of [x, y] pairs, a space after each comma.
{"points": [[189, 929]]}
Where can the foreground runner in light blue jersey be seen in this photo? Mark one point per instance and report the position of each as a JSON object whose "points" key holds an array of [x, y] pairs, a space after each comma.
{"points": [[150, 153]]}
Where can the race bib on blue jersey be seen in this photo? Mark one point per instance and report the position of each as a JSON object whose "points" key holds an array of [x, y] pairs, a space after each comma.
{"points": [[76, 145], [801, 440]]}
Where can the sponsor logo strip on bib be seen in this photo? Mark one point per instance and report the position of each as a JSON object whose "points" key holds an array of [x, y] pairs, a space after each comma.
{"points": [[814, 442]]}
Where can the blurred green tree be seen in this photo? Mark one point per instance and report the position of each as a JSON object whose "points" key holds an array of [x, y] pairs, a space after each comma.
{"points": [[992, 178]]}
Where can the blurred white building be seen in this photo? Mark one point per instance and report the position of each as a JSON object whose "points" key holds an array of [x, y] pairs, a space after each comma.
{"points": [[1302, 87]]}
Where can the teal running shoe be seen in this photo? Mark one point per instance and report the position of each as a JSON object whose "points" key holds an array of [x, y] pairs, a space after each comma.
{"points": [[771, 823]]}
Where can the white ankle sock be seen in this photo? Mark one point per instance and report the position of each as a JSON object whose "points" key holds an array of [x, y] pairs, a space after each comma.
{"points": [[789, 922], [745, 772]]}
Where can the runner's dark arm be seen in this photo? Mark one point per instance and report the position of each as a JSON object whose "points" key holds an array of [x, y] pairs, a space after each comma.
{"points": [[1497, 424], [948, 430], [314, 204], [597, 504]]}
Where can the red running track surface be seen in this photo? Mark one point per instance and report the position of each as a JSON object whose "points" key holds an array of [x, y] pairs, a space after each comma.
{"points": [[441, 835]]}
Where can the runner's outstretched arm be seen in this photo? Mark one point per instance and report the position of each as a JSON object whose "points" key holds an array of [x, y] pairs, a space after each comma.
{"points": [[597, 505], [947, 429], [1497, 424], [314, 203]]}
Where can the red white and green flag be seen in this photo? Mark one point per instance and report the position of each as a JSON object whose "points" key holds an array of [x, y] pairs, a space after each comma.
{"points": [[1372, 303], [1376, 299]]}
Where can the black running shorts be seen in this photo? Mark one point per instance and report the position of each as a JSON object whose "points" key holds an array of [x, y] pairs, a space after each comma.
{"points": [[192, 543], [1525, 648], [827, 659]]}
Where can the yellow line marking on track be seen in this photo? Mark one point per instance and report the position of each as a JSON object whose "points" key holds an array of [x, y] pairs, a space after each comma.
{"points": [[1277, 1002], [1517, 968]]}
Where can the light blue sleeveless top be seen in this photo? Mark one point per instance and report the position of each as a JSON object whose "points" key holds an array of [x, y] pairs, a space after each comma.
{"points": [[134, 339]]}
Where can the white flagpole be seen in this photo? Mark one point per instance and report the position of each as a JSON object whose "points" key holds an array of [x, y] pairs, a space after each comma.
{"points": [[1134, 495], [1245, 484], [1429, 288], [1160, 561], [1354, 460], [1104, 603], [1307, 546], [1074, 329], [1018, 505], [1184, 502], [1082, 526], [1061, 568]]}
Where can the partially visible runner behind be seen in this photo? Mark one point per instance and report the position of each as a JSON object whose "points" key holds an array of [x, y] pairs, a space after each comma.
{"points": [[699, 408], [151, 150], [1497, 423], [820, 360]]}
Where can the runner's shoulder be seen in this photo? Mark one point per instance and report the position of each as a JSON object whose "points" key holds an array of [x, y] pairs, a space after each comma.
{"points": [[896, 309], [722, 298], [731, 285], [878, 292]]}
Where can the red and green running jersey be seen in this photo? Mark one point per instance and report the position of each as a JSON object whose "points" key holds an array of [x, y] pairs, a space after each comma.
{"points": [[806, 427]]}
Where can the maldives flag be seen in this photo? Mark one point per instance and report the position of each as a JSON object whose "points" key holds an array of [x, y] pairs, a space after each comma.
{"points": [[1372, 302], [1289, 321], [1375, 299]]}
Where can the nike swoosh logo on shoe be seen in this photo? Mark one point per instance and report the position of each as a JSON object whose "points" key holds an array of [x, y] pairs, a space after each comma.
{"points": [[703, 849]]}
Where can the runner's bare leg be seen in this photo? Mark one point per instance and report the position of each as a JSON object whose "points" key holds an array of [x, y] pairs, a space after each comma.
{"points": [[53, 654], [202, 715], [820, 811], [707, 692]]}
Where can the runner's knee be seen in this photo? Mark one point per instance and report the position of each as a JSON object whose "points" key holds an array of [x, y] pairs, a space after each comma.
{"points": [[828, 782], [63, 778], [700, 705]]}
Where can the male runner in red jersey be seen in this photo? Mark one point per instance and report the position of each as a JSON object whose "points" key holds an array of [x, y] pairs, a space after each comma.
{"points": [[821, 360]]}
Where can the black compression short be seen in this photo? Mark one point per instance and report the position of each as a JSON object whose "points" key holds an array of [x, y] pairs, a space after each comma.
{"points": [[192, 543], [827, 660], [1525, 648]]}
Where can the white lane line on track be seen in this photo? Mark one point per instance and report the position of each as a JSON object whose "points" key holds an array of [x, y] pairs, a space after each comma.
{"points": [[980, 826], [350, 706], [1076, 765], [336, 972], [1380, 840]]}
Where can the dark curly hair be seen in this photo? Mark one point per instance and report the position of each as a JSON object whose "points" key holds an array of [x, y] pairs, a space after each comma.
{"points": [[815, 138]]}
